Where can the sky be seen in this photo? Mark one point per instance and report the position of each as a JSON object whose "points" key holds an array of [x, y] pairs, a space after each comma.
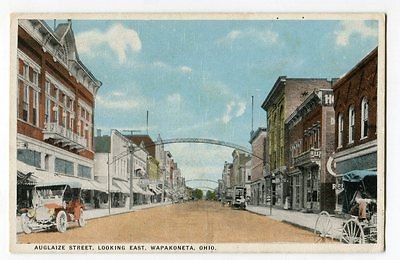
{"points": [[196, 78]]}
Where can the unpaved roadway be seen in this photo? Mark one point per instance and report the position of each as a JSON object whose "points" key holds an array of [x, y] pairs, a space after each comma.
{"points": [[191, 222]]}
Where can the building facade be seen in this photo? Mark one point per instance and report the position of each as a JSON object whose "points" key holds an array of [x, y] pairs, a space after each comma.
{"points": [[310, 141], [258, 141], [55, 106], [117, 159], [356, 119], [285, 96], [226, 193]]}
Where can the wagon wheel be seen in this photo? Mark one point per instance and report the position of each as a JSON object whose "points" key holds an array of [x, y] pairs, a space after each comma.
{"points": [[61, 221], [81, 220], [25, 224], [352, 233], [323, 226]]}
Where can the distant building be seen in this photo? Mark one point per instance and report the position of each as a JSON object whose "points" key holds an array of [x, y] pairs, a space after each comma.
{"points": [[239, 168], [258, 141], [227, 184], [356, 119], [148, 143], [310, 141], [154, 169], [286, 95]]}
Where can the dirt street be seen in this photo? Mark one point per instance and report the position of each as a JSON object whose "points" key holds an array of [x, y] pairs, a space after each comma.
{"points": [[196, 222]]}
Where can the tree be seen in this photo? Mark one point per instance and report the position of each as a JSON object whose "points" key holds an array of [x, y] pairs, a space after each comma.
{"points": [[210, 195], [198, 194]]}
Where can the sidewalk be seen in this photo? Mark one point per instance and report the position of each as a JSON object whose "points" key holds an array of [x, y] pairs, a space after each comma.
{"points": [[99, 213], [297, 218]]}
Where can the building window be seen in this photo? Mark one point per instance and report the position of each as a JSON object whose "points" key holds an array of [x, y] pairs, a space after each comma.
{"points": [[84, 171], [340, 130], [364, 118], [25, 112], [48, 87], [351, 124], [55, 109], [35, 112], [35, 78], [63, 166], [47, 110], [29, 157], [26, 71], [71, 122]]}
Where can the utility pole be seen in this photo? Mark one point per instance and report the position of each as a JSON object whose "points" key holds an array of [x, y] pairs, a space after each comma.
{"points": [[252, 114], [147, 122], [109, 184], [132, 170]]}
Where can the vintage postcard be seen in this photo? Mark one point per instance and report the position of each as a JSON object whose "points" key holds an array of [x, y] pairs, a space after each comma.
{"points": [[197, 133]]}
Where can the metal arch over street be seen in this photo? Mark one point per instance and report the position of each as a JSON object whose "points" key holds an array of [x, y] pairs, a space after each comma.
{"points": [[204, 188], [208, 180], [203, 141], [206, 141]]}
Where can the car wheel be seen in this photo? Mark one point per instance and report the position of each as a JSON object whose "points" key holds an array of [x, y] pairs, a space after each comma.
{"points": [[25, 224], [81, 220], [61, 221]]}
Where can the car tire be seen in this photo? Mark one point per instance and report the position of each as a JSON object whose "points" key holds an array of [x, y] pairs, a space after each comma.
{"points": [[81, 220], [61, 221], [25, 224]]}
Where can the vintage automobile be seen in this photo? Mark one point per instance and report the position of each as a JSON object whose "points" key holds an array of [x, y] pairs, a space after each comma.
{"points": [[239, 200], [54, 206]]}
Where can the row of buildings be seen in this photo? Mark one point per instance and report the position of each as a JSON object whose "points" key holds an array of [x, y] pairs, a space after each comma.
{"points": [[317, 130], [55, 129]]}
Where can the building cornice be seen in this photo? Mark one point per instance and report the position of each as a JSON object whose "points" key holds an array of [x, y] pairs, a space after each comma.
{"points": [[267, 101], [62, 50], [359, 65], [356, 151]]}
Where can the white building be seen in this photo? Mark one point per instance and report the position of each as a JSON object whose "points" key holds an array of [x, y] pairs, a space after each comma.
{"points": [[116, 159]]}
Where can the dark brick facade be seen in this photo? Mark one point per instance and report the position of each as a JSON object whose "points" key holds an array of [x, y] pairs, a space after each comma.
{"points": [[310, 141], [358, 83]]}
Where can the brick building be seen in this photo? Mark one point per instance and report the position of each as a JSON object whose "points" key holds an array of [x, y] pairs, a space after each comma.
{"points": [[285, 96], [356, 118], [310, 140], [55, 106], [258, 141]]}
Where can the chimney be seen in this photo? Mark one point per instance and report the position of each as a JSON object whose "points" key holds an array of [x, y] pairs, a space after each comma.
{"points": [[98, 132]]}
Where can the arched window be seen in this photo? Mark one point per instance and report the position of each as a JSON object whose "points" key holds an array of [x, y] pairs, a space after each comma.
{"points": [[340, 130], [351, 124], [364, 118]]}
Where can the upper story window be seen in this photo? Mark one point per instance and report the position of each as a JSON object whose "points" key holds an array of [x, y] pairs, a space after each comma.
{"points": [[35, 78], [340, 130], [26, 71], [364, 118], [35, 112], [48, 87], [47, 110], [25, 112], [351, 124]]}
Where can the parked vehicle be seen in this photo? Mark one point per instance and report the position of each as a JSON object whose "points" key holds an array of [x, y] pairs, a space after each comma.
{"points": [[54, 206], [239, 200], [354, 229], [228, 196]]}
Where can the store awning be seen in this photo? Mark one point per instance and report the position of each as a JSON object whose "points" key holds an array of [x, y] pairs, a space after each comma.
{"points": [[38, 176], [25, 179], [123, 186], [155, 189]]}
